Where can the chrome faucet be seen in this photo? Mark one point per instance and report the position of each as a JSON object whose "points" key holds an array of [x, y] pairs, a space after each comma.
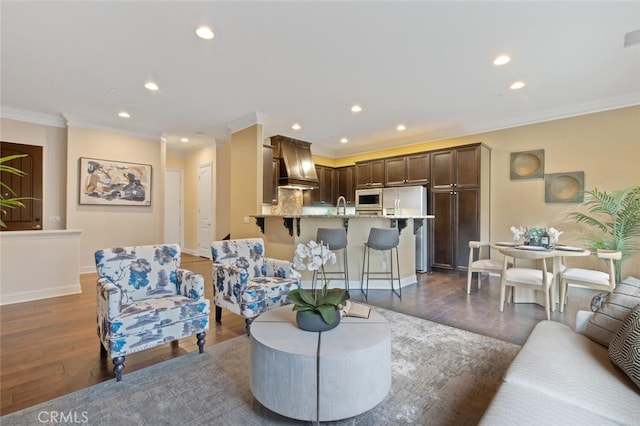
{"points": [[344, 205]]}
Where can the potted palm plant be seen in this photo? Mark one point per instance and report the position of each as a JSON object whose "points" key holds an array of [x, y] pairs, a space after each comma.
{"points": [[316, 310], [13, 201], [616, 218]]}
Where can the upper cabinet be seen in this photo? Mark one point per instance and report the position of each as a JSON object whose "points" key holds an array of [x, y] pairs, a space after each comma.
{"points": [[407, 170], [370, 174], [346, 186], [270, 170], [456, 168], [328, 184]]}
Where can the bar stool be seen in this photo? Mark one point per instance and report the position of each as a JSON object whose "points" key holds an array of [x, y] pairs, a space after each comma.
{"points": [[335, 239], [381, 239]]}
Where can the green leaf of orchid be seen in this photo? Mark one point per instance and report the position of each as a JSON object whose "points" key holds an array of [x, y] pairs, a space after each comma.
{"points": [[328, 313]]}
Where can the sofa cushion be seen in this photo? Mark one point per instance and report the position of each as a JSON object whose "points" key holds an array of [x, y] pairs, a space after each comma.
{"points": [[569, 366], [151, 314], [607, 320], [515, 404], [624, 348]]}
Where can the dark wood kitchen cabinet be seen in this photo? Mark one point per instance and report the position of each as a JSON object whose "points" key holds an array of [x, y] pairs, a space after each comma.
{"points": [[346, 186], [327, 186], [270, 175], [407, 170], [459, 202], [370, 174]]}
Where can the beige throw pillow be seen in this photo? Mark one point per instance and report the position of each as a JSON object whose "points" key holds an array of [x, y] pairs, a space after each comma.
{"points": [[609, 317], [624, 349]]}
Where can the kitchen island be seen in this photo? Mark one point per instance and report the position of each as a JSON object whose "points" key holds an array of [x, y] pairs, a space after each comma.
{"points": [[283, 232]]}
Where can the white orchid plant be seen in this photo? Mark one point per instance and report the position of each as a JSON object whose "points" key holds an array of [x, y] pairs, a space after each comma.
{"points": [[313, 256]]}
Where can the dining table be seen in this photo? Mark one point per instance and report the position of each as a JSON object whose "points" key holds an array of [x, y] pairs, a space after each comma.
{"points": [[557, 253]]}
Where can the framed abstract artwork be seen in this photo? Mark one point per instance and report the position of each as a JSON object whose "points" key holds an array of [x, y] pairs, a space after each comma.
{"points": [[565, 187], [527, 164], [107, 182]]}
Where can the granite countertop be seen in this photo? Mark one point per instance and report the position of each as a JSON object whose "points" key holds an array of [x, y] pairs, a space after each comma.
{"points": [[342, 216]]}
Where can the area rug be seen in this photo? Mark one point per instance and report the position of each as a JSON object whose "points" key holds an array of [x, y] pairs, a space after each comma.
{"points": [[440, 376]]}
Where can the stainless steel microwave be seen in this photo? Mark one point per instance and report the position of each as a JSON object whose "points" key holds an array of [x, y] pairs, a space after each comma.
{"points": [[369, 199]]}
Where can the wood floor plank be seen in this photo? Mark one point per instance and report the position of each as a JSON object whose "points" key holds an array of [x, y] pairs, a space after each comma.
{"points": [[49, 347]]}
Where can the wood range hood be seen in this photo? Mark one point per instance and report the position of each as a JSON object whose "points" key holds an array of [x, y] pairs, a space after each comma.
{"points": [[295, 162]]}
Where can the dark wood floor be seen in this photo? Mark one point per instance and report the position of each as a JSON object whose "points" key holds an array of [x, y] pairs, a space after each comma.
{"points": [[49, 348]]}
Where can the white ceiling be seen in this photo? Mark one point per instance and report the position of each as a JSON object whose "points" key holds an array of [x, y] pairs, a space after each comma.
{"points": [[425, 64]]}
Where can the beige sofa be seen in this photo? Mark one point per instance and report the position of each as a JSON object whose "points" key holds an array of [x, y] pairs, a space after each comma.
{"points": [[562, 377]]}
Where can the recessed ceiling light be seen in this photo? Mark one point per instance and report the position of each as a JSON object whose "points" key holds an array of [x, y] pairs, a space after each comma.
{"points": [[401, 127], [184, 140], [204, 32], [296, 126], [501, 60], [356, 108], [517, 85], [123, 114], [344, 140], [150, 85]]}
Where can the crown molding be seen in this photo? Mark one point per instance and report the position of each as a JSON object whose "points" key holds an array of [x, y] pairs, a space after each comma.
{"points": [[74, 121], [53, 120], [248, 120]]}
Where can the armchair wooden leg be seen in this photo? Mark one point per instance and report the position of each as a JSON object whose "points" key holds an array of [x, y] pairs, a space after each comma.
{"points": [[248, 322], [218, 314], [103, 351], [201, 341], [118, 367]]}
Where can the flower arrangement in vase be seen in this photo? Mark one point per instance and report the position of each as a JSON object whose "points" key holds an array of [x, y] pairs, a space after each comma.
{"points": [[533, 236], [323, 304]]}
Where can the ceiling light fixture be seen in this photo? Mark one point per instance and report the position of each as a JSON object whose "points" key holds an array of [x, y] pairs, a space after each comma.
{"points": [[501, 60], [150, 85], [296, 126], [517, 85], [401, 127], [356, 108], [184, 140], [124, 114], [344, 140], [204, 33]]}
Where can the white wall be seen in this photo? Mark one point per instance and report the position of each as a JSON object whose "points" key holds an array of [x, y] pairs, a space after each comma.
{"points": [[106, 226]]}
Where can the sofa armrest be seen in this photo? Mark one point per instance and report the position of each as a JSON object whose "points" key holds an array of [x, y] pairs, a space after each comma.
{"points": [[582, 318], [109, 298], [190, 285], [279, 268]]}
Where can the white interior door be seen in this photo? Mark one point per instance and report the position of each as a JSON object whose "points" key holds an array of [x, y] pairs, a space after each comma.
{"points": [[205, 210], [173, 207]]}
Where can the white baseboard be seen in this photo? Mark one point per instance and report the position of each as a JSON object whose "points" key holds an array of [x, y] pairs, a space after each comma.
{"points": [[27, 296]]}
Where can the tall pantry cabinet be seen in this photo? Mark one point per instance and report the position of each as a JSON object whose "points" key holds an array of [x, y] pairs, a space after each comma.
{"points": [[460, 202]]}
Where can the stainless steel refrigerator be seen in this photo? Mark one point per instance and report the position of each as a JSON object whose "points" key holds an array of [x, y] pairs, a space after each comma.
{"points": [[409, 201]]}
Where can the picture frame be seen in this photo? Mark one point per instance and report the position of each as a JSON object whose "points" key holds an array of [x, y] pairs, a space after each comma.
{"points": [[567, 187], [114, 183], [527, 164]]}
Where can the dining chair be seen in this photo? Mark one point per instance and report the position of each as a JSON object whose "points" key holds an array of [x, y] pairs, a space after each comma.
{"points": [[535, 278], [597, 280], [482, 264]]}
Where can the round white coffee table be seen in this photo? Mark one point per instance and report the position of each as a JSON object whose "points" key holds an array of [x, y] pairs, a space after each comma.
{"points": [[324, 376]]}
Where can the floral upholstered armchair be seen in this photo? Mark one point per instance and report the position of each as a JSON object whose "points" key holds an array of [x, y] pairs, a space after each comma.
{"points": [[145, 299], [247, 283]]}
